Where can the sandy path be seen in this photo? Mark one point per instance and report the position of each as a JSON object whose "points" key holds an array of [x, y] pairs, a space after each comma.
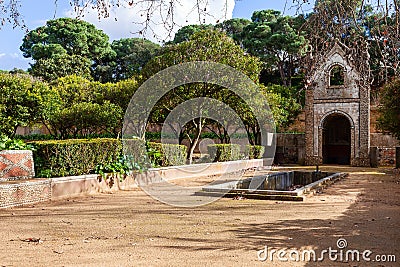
{"points": [[131, 229]]}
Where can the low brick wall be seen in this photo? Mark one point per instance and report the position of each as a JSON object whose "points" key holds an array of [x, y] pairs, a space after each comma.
{"points": [[16, 193], [383, 156], [19, 193], [16, 165]]}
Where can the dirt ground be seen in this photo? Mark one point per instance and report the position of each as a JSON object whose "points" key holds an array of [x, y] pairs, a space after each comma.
{"points": [[129, 228]]}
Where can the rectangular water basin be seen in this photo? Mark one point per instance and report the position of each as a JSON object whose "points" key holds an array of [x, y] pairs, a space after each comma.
{"points": [[291, 185]]}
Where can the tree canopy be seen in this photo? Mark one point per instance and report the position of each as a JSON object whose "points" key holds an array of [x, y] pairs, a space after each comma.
{"points": [[389, 120], [131, 54], [24, 101], [205, 45], [276, 41], [71, 45]]}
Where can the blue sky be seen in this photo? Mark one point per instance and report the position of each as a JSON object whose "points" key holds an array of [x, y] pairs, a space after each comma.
{"points": [[35, 14]]}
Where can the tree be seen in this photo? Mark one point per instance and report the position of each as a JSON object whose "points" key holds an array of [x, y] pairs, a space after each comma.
{"points": [[49, 69], [234, 28], [85, 118], [89, 107], [370, 29], [273, 38], [184, 33], [71, 44], [206, 45], [131, 54], [389, 120], [24, 101], [283, 103]]}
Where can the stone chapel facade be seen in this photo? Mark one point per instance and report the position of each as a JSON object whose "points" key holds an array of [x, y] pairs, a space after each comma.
{"points": [[337, 112]]}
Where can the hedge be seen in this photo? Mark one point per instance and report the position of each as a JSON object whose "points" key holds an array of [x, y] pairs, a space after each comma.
{"points": [[224, 152], [167, 154], [56, 158], [135, 151], [254, 152]]}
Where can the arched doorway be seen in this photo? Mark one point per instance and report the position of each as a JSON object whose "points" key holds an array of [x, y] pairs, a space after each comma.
{"points": [[336, 140]]}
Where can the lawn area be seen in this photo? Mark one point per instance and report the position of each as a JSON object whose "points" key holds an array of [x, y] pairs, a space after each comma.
{"points": [[129, 228]]}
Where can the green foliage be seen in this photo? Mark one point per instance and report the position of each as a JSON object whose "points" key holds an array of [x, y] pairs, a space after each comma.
{"points": [[56, 158], [85, 118], [121, 166], [119, 93], [131, 55], [41, 137], [234, 28], [65, 46], [224, 152], [283, 105], [185, 33], [254, 152], [14, 144], [276, 41], [61, 65], [389, 120], [66, 35], [74, 89], [135, 153], [205, 45], [166, 154], [24, 101], [89, 107]]}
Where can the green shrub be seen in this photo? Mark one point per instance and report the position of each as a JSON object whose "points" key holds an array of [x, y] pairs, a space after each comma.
{"points": [[254, 152], [13, 144], [57, 158], [87, 118], [121, 167], [24, 101], [224, 152], [166, 154], [134, 150]]}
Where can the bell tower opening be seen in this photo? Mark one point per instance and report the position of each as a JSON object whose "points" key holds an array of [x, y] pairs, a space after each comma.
{"points": [[336, 76], [336, 140]]}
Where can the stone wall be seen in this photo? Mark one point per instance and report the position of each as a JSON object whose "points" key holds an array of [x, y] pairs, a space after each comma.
{"points": [[16, 193], [290, 148], [383, 156], [383, 140]]}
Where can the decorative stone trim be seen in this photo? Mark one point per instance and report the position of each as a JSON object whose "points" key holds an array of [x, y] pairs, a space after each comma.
{"points": [[16, 164], [16, 194]]}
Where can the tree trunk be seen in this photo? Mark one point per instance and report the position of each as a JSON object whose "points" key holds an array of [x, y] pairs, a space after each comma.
{"points": [[282, 73], [195, 140]]}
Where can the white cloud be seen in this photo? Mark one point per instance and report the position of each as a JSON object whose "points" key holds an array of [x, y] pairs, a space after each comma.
{"points": [[2, 55], [124, 21], [14, 55]]}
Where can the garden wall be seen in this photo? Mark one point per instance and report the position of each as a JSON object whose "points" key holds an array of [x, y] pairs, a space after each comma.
{"points": [[290, 149], [16, 193]]}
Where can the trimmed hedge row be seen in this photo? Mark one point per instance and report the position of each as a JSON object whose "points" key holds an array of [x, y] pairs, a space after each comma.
{"points": [[224, 152], [254, 152], [56, 158], [230, 152], [167, 154]]}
